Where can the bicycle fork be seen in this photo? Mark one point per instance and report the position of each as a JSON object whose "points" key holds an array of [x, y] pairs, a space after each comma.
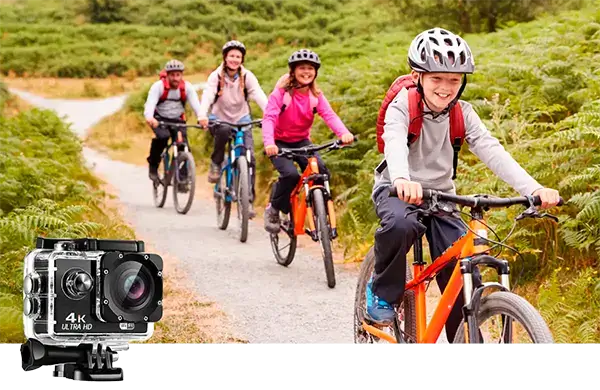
{"points": [[312, 230], [472, 295]]}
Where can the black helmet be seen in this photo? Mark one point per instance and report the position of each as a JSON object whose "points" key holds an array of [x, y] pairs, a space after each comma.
{"points": [[234, 45], [304, 55]]}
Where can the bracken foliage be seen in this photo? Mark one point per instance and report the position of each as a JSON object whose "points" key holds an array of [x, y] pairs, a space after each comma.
{"points": [[45, 190]]}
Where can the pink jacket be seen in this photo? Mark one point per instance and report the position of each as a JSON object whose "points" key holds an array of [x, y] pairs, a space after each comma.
{"points": [[294, 124]]}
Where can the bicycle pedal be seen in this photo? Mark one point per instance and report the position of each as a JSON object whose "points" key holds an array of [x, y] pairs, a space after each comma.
{"points": [[334, 233], [312, 234]]}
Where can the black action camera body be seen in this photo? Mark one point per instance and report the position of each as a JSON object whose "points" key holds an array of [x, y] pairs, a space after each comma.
{"points": [[88, 292]]}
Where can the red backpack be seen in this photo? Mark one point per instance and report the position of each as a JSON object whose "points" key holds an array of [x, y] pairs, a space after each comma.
{"points": [[415, 110], [167, 87]]}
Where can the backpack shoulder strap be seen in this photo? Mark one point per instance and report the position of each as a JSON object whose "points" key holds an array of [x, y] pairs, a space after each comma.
{"points": [[457, 133], [314, 102], [182, 92], [163, 77], [415, 113], [287, 99]]}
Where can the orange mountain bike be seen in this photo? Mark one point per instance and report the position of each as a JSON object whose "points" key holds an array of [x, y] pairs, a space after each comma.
{"points": [[500, 313], [310, 203]]}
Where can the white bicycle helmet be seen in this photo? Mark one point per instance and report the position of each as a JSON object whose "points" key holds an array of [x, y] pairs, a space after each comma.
{"points": [[304, 55], [174, 65], [439, 50], [234, 45]]}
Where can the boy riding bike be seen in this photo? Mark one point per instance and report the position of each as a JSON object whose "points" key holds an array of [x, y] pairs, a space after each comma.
{"points": [[287, 123], [440, 61], [226, 95], [166, 102]]}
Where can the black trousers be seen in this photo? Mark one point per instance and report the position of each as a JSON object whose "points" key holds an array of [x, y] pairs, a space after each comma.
{"points": [[221, 135], [289, 175], [161, 139], [393, 240]]}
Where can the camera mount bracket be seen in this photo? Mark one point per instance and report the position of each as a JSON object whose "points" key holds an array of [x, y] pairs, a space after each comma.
{"points": [[85, 362]]}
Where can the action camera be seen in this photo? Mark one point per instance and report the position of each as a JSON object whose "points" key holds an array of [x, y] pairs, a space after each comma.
{"points": [[84, 299]]}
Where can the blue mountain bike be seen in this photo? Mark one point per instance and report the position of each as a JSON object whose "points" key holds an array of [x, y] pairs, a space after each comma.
{"points": [[233, 185]]}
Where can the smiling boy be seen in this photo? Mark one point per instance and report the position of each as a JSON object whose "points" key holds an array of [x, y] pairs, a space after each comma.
{"points": [[440, 61]]}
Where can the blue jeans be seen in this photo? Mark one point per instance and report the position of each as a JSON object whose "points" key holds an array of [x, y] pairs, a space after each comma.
{"points": [[221, 135]]}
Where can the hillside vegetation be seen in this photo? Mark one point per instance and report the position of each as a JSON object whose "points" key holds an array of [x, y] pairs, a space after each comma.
{"points": [[71, 39]]}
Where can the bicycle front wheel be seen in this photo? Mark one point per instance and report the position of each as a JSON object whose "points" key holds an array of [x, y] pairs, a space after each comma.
{"points": [[222, 204], [243, 197], [284, 242], [320, 213], [161, 185], [184, 182], [506, 318]]}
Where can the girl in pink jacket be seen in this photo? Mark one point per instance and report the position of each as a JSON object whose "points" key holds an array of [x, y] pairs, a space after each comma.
{"points": [[287, 122]]}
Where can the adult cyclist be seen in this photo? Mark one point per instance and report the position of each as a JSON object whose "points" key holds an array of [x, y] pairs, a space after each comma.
{"points": [[228, 90], [166, 102]]}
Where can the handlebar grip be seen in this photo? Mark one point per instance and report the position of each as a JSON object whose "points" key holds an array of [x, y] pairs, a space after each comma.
{"points": [[538, 202]]}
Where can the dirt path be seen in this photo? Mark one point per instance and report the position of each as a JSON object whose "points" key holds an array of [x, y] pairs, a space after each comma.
{"points": [[265, 301]]}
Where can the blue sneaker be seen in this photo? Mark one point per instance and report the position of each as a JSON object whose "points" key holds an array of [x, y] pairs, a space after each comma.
{"points": [[378, 310]]}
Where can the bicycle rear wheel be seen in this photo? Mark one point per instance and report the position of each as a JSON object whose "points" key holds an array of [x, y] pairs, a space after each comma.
{"points": [[184, 182], [405, 327], [320, 214], [243, 197], [161, 185], [510, 318]]}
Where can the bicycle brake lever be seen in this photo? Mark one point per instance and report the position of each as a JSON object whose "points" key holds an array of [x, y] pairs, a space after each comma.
{"points": [[531, 212], [548, 215]]}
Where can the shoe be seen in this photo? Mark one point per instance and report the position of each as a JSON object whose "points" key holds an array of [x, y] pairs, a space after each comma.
{"points": [[214, 173], [251, 211], [378, 310], [272, 223], [153, 173], [183, 187]]}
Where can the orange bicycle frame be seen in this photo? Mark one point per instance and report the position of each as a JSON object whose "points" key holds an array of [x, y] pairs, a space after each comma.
{"points": [[299, 200], [462, 248]]}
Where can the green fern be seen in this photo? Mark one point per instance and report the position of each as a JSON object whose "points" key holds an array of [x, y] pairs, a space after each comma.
{"points": [[572, 308]]}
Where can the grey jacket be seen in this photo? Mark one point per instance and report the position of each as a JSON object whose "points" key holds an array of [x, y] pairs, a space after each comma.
{"points": [[429, 159], [172, 107]]}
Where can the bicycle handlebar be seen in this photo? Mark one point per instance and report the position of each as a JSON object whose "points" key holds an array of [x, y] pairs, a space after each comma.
{"points": [[176, 124], [478, 201], [235, 125], [337, 144]]}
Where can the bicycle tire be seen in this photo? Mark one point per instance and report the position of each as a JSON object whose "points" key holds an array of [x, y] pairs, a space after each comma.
{"points": [[222, 206], [243, 197], [407, 311], [160, 187], [320, 215], [188, 159], [286, 227], [515, 306]]}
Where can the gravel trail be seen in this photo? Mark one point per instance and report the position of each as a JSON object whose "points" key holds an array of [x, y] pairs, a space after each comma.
{"points": [[267, 303]]}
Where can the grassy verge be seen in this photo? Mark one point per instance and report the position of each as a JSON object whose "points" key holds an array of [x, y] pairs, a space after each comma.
{"points": [[46, 190]]}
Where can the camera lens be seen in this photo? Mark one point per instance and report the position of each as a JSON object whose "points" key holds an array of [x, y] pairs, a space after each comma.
{"points": [[131, 288], [134, 287]]}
